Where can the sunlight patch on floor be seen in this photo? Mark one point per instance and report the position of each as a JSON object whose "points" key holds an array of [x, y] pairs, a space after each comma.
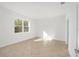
{"points": [[46, 38]]}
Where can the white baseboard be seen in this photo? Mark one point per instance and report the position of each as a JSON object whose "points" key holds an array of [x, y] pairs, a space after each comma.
{"points": [[59, 40], [13, 42]]}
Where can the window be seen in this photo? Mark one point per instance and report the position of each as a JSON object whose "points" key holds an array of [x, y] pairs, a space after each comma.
{"points": [[18, 25], [21, 26], [26, 26]]}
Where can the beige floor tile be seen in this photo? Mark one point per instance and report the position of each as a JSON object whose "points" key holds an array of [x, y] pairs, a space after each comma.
{"points": [[34, 48]]}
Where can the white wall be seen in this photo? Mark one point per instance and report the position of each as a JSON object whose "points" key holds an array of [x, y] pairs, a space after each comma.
{"points": [[78, 28], [7, 26], [35, 10], [7, 34], [52, 26], [78, 25], [70, 11]]}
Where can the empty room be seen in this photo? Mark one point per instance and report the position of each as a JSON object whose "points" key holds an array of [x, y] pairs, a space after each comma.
{"points": [[39, 29]]}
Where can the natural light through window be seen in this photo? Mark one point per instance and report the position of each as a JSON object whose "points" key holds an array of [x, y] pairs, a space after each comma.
{"points": [[45, 37], [22, 26]]}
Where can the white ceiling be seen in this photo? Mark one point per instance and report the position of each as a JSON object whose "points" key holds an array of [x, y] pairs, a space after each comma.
{"points": [[35, 9]]}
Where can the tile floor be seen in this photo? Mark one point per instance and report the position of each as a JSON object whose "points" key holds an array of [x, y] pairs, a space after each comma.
{"points": [[33, 48]]}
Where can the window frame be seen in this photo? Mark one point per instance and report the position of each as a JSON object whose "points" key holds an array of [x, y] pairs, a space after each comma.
{"points": [[23, 30]]}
